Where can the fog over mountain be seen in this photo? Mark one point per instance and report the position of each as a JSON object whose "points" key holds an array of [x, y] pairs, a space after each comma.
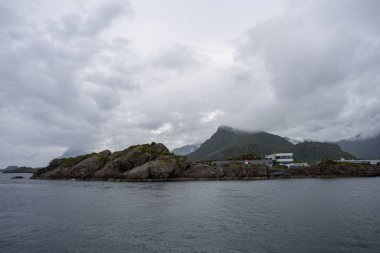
{"points": [[94, 75], [185, 150]]}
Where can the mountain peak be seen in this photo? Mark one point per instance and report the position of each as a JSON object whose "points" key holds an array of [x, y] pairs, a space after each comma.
{"points": [[226, 128], [228, 142], [185, 150]]}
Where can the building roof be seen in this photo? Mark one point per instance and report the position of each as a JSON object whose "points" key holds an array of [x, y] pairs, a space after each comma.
{"points": [[280, 154]]}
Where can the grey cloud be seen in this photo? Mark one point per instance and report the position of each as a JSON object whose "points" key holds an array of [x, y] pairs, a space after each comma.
{"points": [[104, 15], [45, 98], [7, 17], [317, 67], [115, 79], [75, 24], [178, 58], [75, 83]]}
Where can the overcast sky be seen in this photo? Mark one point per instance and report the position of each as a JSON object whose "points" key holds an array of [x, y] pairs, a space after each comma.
{"points": [[94, 75]]}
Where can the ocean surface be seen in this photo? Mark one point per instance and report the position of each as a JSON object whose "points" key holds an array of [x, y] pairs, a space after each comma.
{"points": [[293, 215]]}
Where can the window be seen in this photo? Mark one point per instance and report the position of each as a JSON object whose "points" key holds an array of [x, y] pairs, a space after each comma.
{"points": [[284, 157]]}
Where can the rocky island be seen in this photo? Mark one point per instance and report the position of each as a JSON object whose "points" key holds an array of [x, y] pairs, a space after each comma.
{"points": [[16, 169], [154, 162]]}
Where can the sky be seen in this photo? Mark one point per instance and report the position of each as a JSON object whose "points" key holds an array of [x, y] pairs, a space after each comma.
{"points": [[94, 75]]}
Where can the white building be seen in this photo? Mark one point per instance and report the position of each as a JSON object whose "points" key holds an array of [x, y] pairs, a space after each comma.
{"points": [[281, 158]]}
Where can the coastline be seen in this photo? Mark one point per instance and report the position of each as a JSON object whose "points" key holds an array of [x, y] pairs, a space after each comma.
{"points": [[153, 162], [206, 179]]}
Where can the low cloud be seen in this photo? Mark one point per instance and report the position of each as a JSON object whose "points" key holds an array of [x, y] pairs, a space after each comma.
{"points": [[211, 115]]}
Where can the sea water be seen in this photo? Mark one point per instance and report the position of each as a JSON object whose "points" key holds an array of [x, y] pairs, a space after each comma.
{"points": [[288, 215]]}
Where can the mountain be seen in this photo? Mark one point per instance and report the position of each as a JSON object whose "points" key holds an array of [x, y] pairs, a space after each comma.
{"points": [[185, 150], [363, 148], [228, 142], [16, 169], [317, 151], [10, 168], [73, 153]]}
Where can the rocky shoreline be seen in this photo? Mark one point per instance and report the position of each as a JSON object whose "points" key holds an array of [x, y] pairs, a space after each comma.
{"points": [[154, 162]]}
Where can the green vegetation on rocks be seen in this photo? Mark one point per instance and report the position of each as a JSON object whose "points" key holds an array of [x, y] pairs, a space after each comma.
{"points": [[120, 164], [68, 162]]}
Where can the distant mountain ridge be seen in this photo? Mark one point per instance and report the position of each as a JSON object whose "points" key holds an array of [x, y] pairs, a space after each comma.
{"points": [[185, 150], [73, 153], [228, 142], [362, 148], [16, 169]]}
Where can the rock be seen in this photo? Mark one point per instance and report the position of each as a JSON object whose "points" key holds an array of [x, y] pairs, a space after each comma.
{"points": [[17, 177], [279, 172], [89, 166], [138, 173], [138, 155], [203, 171], [109, 171], [301, 171], [158, 169], [331, 168], [130, 159], [60, 172], [78, 167], [238, 170], [160, 149], [166, 158], [161, 169], [113, 165], [105, 153], [52, 170], [181, 166]]}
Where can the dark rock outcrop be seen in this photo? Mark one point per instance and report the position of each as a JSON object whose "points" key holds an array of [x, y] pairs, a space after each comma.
{"points": [[203, 171], [159, 169], [89, 166], [138, 173], [327, 169], [140, 162], [236, 170], [85, 168], [110, 170], [17, 177], [344, 169]]}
